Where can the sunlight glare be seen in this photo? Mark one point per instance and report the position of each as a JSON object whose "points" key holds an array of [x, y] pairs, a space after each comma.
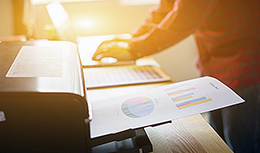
{"points": [[86, 23]]}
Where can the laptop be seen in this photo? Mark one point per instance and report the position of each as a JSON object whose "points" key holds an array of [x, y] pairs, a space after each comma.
{"points": [[87, 47], [61, 21], [87, 44]]}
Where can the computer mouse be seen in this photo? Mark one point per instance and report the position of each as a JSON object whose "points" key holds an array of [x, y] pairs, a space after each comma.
{"points": [[117, 49], [108, 60]]}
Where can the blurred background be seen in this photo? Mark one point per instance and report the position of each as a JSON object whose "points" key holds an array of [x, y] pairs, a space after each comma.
{"points": [[29, 20]]}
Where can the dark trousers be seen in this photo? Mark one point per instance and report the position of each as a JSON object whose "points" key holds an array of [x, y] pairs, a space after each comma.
{"points": [[239, 125]]}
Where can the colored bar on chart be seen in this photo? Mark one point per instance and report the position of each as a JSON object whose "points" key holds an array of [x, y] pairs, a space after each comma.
{"points": [[182, 97], [193, 102], [174, 88], [179, 91]]}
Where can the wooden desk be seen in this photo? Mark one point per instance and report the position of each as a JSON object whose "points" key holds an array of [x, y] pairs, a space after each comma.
{"points": [[190, 134]]}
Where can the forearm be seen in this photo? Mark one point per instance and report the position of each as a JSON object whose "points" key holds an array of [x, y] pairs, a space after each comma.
{"points": [[182, 20], [155, 41], [154, 17]]}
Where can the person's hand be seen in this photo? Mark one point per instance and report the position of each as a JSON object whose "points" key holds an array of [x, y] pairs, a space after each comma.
{"points": [[116, 48]]}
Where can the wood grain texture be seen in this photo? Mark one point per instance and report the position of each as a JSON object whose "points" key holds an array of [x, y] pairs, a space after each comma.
{"points": [[187, 135]]}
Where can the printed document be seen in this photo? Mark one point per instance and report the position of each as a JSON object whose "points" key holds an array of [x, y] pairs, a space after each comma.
{"points": [[160, 105]]}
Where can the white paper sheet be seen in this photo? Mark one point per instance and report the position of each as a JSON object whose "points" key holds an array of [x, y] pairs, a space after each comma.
{"points": [[37, 61], [160, 104]]}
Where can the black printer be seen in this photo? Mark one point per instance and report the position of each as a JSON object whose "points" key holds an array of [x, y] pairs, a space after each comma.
{"points": [[43, 104]]}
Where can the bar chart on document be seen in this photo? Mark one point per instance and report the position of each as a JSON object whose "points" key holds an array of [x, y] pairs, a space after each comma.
{"points": [[185, 96], [182, 96]]}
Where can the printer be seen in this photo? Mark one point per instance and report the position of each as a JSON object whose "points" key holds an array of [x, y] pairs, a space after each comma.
{"points": [[43, 102]]}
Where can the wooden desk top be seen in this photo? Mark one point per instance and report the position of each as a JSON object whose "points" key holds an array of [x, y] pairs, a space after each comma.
{"points": [[189, 134]]}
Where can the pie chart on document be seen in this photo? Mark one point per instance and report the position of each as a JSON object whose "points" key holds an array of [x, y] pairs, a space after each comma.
{"points": [[137, 107]]}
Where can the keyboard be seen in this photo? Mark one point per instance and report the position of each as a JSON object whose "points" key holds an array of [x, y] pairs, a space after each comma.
{"points": [[123, 75]]}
